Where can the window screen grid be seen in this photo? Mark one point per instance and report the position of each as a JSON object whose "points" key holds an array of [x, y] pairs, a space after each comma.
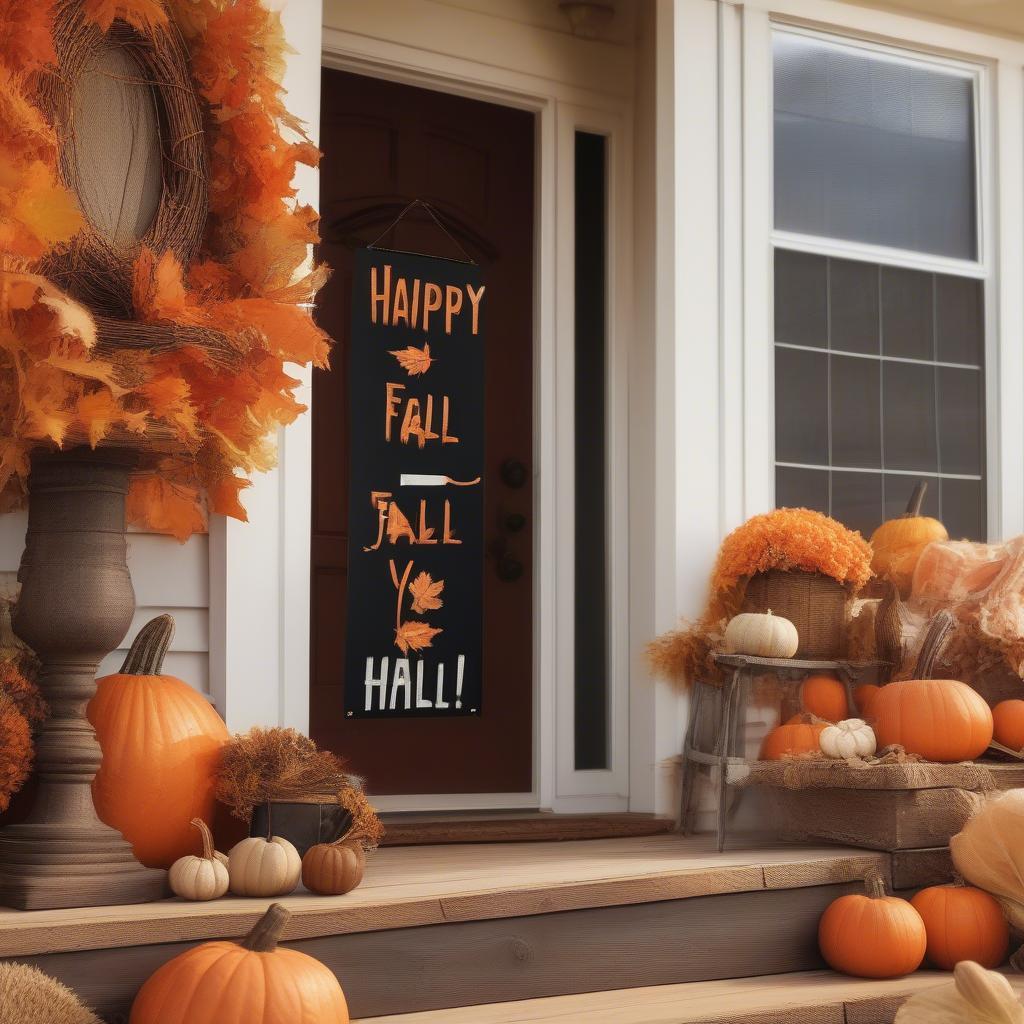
{"points": [[871, 492]]}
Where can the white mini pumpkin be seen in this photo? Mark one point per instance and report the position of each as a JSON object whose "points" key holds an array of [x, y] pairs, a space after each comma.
{"points": [[852, 737], [200, 878], [264, 867], [761, 635]]}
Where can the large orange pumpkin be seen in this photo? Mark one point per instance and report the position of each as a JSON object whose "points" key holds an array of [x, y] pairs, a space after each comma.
{"points": [[253, 981], [864, 697], [799, 735], [872, 935], [897, 544], [962, 923], [1008, 723], [824, 696], [940, 719], [161, 745]]}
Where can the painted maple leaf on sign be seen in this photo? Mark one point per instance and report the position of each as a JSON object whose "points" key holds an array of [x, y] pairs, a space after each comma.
{"points": [[413, 360], [426, 593], [415, 635]]}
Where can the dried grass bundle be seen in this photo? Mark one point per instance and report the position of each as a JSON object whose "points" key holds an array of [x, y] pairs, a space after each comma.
{"points": [[276, 764], [366, 828], [28, 996]]}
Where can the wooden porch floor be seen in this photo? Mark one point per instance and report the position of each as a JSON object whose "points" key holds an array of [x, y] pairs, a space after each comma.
{"points": [[429, 885]]}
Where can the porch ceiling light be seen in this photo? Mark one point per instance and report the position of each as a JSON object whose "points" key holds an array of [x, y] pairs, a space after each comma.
{"points": [[587, 17]]}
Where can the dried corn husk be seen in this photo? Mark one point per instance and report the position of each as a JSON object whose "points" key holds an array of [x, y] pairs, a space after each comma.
{"points": [[989, 852], [976, 996]]}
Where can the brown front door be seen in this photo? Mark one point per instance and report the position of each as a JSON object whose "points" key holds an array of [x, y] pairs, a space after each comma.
{"points": [[385, 145]]}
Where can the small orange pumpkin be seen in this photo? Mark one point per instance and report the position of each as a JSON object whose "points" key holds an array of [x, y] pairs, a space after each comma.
{"points": [[333, 869], [897, 544], [872, 935], [161, 743], [824, 696], [864, 697], [1008, 723], [799, 735], [962, 923], [252, 981], [940, 719]]}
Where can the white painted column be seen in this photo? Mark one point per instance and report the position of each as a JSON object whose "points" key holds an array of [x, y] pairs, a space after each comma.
{"points": [[259, 571]]}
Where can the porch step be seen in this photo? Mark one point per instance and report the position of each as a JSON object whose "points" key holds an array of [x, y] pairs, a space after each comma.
{"points": [[435, 927], [518, 827], [811, 997]]}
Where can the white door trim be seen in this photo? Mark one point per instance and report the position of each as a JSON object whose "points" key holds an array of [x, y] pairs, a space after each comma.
{"points": [[260, 571]]}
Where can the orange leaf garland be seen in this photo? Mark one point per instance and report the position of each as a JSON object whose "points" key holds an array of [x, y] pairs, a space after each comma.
{"points": [[426, 593], [412, 359], [223, 399], [169, 508], [144, 15]]}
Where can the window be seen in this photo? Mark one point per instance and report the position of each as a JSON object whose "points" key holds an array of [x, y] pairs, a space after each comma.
{"points": [[879, 361]]}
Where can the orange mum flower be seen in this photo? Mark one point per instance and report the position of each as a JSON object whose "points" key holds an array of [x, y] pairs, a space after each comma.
{"points": [[16, 753]]}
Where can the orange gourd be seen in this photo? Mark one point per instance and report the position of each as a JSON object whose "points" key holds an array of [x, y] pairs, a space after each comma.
{"points": [[864, 697], [940, 719], [253, 981], [1008, 723], [825, 697], [800, 735], [872, 935], [962, 923], [897, 544], [161, 745], [333, 869]]}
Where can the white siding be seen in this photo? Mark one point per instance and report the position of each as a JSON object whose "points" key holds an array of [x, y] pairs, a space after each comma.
{"points": [[168, 577]]}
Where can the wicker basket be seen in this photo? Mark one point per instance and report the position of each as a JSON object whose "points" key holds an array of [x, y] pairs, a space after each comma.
{"points": [[813, 602]]}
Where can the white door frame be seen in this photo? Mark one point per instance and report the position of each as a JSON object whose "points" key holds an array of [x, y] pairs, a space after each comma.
{"points": [[282, 512]]}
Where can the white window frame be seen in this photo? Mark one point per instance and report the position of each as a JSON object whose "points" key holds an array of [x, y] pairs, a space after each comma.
{"points": [[744, 175], [981, 268]]}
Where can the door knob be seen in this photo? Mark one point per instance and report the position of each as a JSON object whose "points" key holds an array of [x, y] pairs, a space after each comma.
{"points": [[514, 522], [509, 568], [513, 473]]}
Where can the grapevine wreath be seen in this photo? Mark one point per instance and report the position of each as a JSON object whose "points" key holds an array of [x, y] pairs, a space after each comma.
{"points": [[168, 336]]}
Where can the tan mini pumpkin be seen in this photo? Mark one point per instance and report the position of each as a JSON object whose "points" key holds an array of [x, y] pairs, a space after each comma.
{"points": [[976, 996], [200, 878], [761, 635], [333, 869], [264, 867]]}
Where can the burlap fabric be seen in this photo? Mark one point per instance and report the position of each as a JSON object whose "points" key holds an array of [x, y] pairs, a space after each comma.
{"points": [[892, 772]]}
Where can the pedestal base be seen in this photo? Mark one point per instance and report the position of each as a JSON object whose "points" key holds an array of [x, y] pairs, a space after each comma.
{"points": [[75, 606], [43, 867]]}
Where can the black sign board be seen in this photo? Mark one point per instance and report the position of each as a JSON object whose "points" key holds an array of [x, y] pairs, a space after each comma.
{"points": [[414, 646]]}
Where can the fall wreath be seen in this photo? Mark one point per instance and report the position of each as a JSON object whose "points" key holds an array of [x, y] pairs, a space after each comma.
{"points": [[172, 339]]}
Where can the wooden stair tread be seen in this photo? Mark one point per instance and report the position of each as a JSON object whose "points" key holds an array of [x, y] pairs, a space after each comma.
{"points": [[814, 997], [429, 885], [521, 827]]}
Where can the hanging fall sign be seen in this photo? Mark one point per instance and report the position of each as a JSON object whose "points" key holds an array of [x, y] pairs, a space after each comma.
{"points": [[415, 574]]}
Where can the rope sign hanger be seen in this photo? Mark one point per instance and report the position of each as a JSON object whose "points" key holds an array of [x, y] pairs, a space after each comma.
{"points": [[436, 219]]}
